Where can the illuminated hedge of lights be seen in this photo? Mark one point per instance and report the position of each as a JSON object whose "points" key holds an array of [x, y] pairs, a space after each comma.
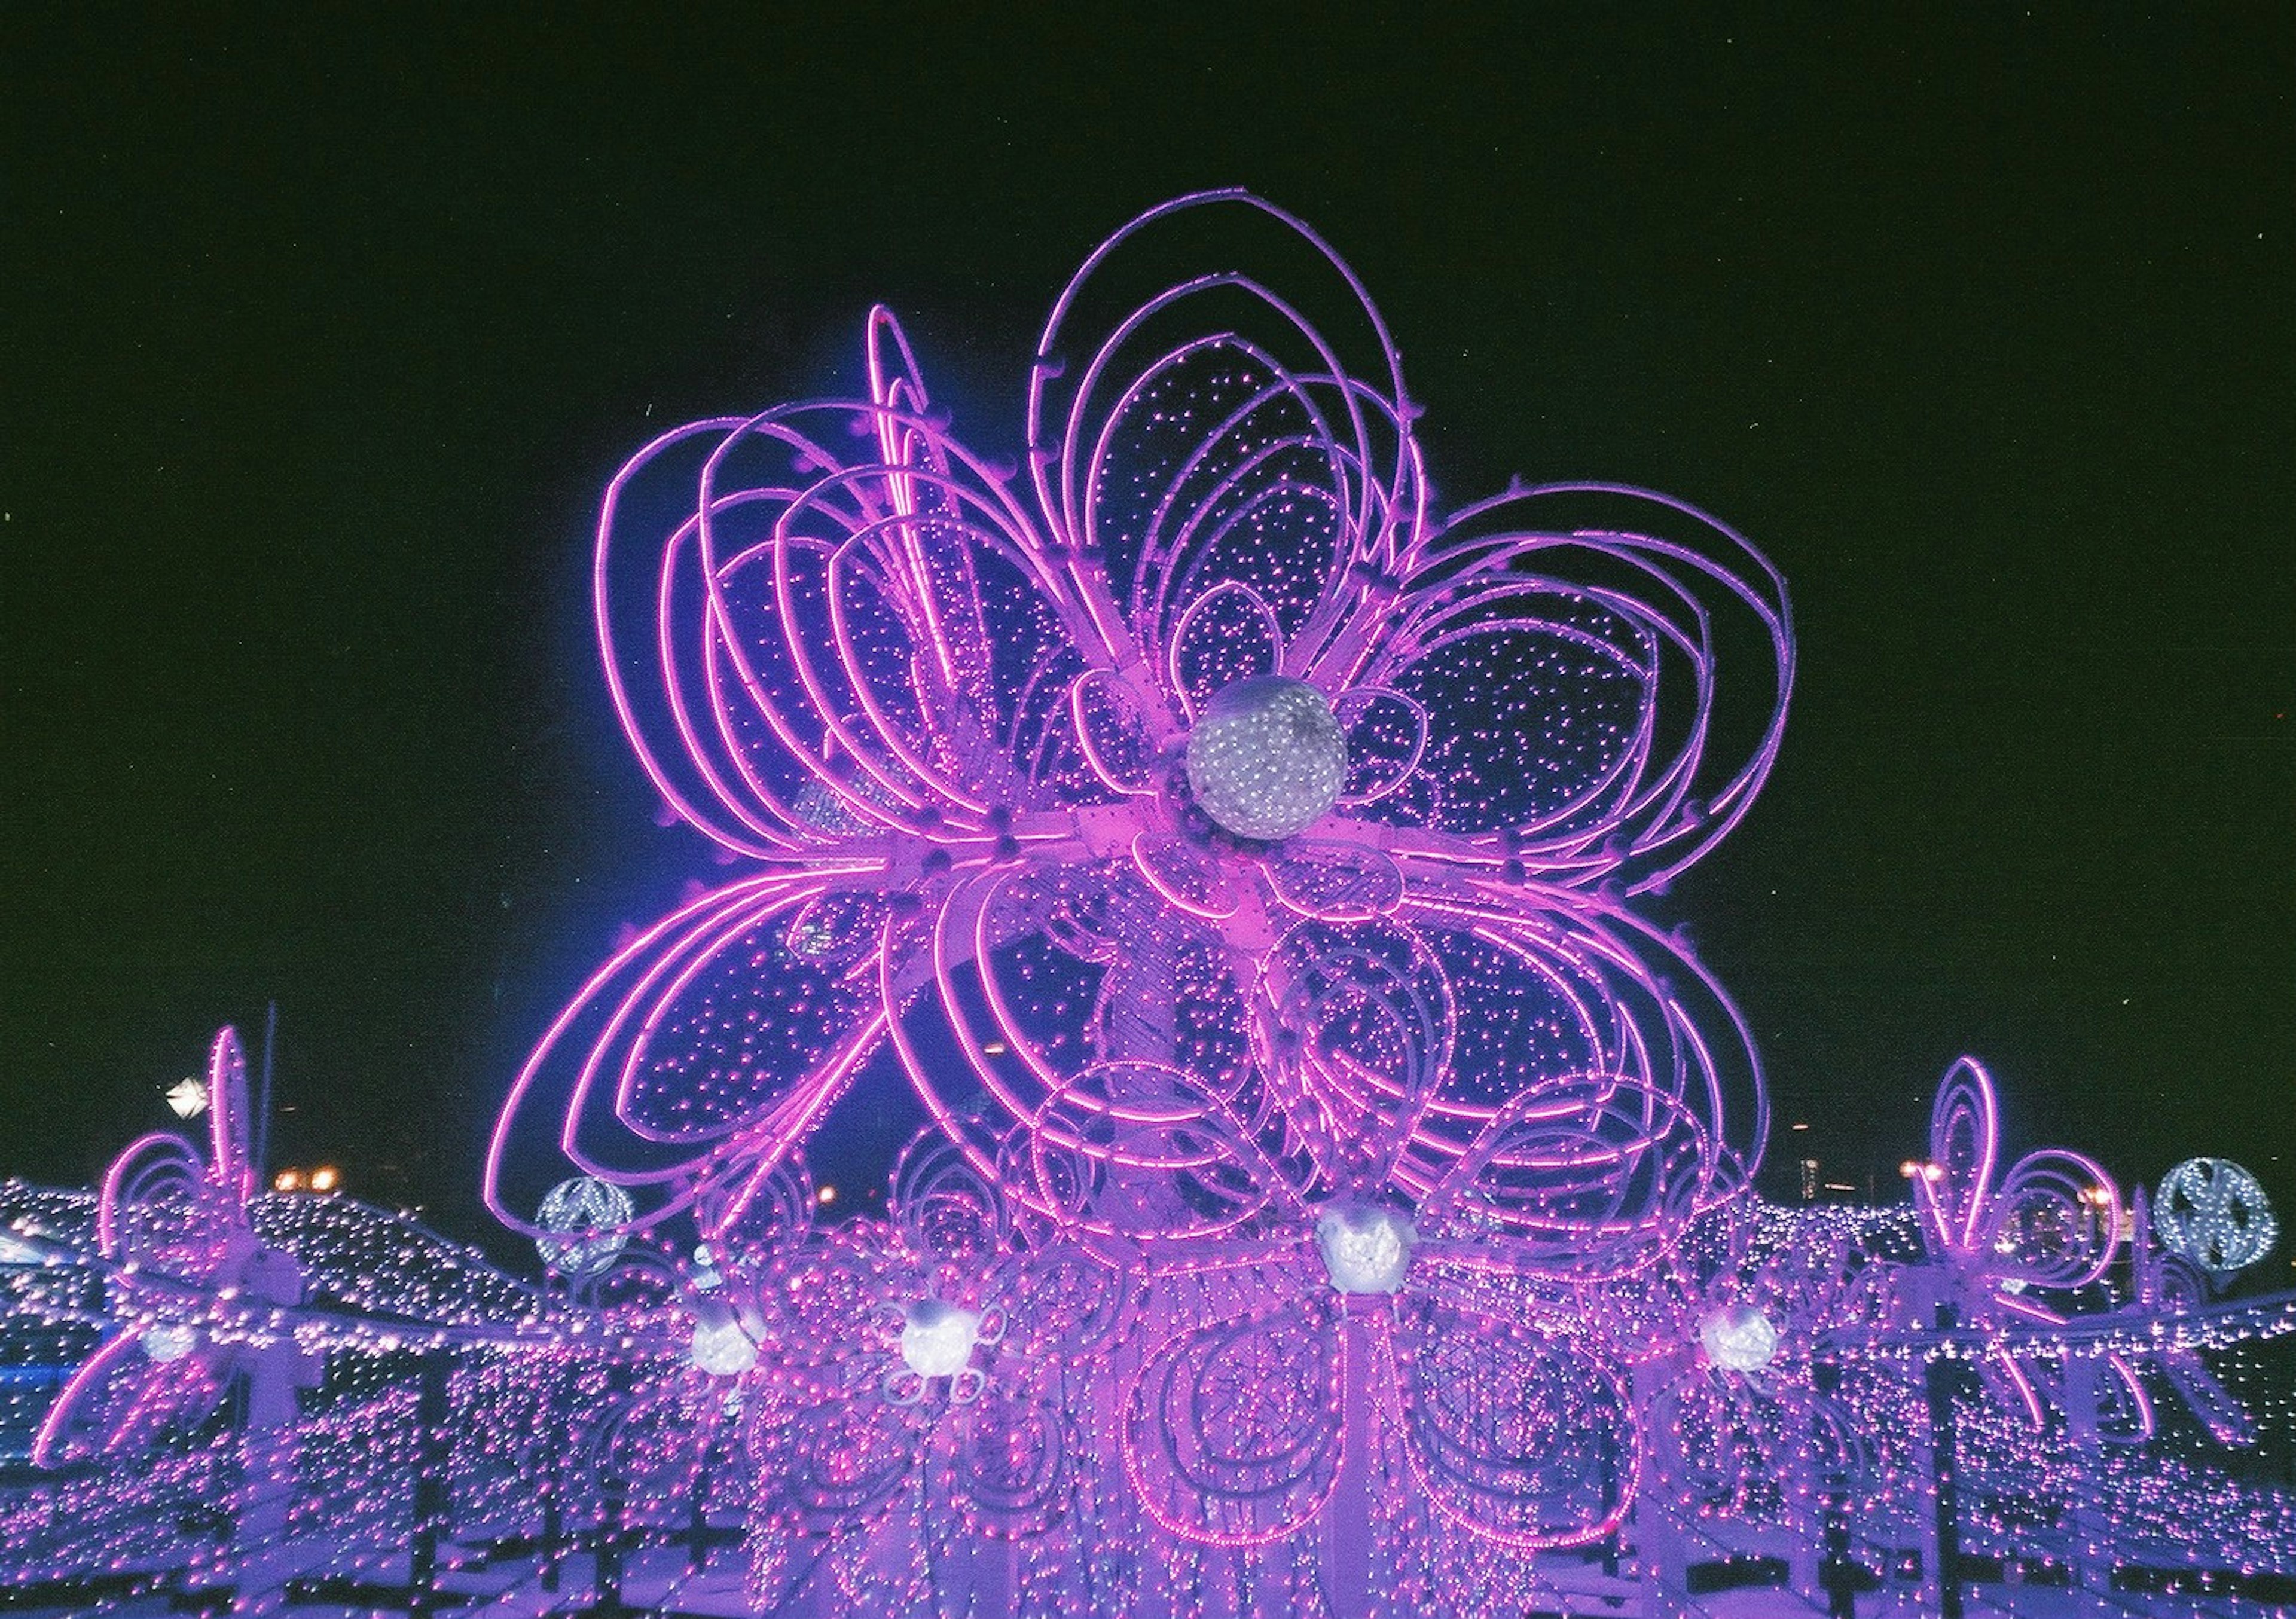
{"points": [[1336, 1196]]}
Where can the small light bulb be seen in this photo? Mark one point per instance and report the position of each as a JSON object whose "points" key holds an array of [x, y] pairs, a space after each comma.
{"points": [[1739, 1338]]}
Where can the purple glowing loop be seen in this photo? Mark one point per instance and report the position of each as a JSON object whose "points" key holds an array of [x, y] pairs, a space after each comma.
{"points": [[876, 663], [1647, 616], [1591, 1180], [1233, 1430], [1140, 1153], [1067, 507], [1243, 1418], [2053, 1219]]}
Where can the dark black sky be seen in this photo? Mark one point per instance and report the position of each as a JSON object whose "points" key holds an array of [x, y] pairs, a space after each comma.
{"points": [[321, 339]]}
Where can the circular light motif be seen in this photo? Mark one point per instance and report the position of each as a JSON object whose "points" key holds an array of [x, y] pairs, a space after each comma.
{"points": [[936, 1339], [589, 1214], [722, 1349], [1365, 1249], [2212, 1213], [169, 1341], [1739, 1338], [1266, 758]]}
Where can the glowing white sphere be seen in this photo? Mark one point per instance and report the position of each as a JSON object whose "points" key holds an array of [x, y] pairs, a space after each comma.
{"points": [[936, 1339], [1739, 1338], [169, 1341], [1266, 758], [722, 1349], [589, 1215], [2212, 1213], [1366, 1249]]}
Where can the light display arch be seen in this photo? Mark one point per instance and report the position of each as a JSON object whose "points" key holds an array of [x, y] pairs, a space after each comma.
{"points": [[1335, 1196]]}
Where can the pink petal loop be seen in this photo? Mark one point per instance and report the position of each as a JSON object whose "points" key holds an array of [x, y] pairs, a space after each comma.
{"points": [[2056, 1220], [1011, 1464], [1113, 733], [841, 1460], [1567, 647], [1964, 1144], [1537, 1002], [1387, 736], [1225, 635], [701, 1052], [1140, 1151], [831, 637], [1082, 1296], [945, 1209], [1359, 1040], [1188, 878], [1592, 1178], [1232, 1429], [1334, 882], [1190, 428]]}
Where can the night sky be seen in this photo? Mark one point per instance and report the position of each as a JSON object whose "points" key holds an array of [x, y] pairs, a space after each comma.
{"points": [[318, 343]]}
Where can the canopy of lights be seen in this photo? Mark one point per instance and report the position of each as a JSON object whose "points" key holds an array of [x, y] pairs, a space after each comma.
{"points": [[1335, 1193]]}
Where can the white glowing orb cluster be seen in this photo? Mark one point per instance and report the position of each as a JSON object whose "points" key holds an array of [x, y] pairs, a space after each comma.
{"points": [[1739, 1338], [720, 1347], [937, 1338], [589, 1214], [1267, 759], [167, 1341], [2212, 1213], [1365, 1249]]}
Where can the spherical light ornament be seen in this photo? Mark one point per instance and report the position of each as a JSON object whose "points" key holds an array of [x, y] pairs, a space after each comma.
{"points": [[169, 1341], [1266, 758], [936, 1339], [590, 1216], [1365, 1249], [1739, 1338], [721, 1348], [2212, 1213]]}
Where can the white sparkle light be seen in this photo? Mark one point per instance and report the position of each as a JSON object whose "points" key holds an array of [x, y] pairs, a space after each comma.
{"points": [[187, 1098], [720, 1347], [167, 1341], [1266, 758], [936, 1339], [1366, 1249], [1739, 1338]]}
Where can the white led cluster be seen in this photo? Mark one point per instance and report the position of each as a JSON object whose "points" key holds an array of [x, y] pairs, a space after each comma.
{"points": [[1267, 758], [2212, 1212]]}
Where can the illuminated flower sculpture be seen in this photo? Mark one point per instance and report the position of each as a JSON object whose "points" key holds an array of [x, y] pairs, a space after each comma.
{"points": [[1193, 754], [2000, 1245], [192, 1286]]}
